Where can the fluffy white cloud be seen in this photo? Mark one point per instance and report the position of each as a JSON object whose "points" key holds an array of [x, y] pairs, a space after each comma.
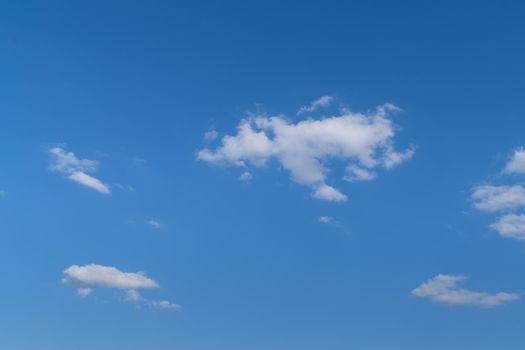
{"points": [[93, 275], [445, 289], [323, 101], [511, 225], [87, 277], [363, 141], [496, 198], [516, 165], [76, 169]]}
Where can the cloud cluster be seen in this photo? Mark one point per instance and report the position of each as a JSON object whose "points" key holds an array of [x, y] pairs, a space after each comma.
{"points": [[446, 289], [76, 169], [505, 199], [87, 277], [364, 142]]}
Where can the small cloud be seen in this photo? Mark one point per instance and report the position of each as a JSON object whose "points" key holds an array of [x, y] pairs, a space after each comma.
{"points": [[155, 224], [211, 135], [328, 193], [323, 101], [93, 275], [326, 220], [76, 169], [89, 181], [445, 289], [496, 198], [516, 164], [133, 295], [511, 225], [163, 304], [84, 292], [127, 188], [246, 176], [356, 173], [88, 277]]}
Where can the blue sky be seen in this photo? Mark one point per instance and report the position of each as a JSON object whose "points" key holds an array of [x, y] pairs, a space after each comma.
{"points": [[260, 175]]}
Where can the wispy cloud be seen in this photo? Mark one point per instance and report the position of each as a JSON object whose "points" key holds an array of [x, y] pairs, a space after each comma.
{"points": [[326, 219], [246, 176], [496, 198], [446, 289], [88, 277], [323, 101], [134, 296], [211, 135], [363, 141], [76, 169], [154, 223]]}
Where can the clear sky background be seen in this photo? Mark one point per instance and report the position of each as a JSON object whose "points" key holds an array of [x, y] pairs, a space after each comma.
{"points": [[135, 85]]}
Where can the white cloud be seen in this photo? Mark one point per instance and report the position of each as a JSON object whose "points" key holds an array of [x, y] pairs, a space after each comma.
{"points": [[328, 193], [356, 173], [323, 101], [363, 142], [394, 158], [154, 223], [134, 296], [496, 198], [93, 275], [326, 219], [87, 277], [516, 165], [246, 176], [76, 169], [163, 304], [89, 181], [511, 225], [445, 289], [84, 292]]}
